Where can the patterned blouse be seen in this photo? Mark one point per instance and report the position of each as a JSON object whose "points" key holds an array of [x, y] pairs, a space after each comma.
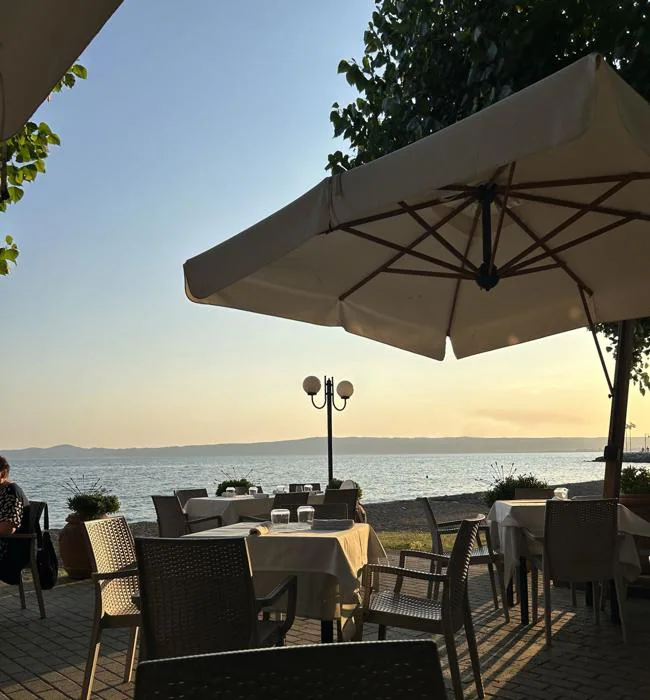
{"points": [[11, 508]]}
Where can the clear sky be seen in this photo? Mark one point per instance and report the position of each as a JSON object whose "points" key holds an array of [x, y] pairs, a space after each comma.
{"points": [[198, 119]]}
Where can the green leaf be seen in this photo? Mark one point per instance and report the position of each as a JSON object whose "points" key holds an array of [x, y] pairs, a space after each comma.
{"points": [[79, 71], [15, 194], [9, 254], [69, 80], [9, 239]]}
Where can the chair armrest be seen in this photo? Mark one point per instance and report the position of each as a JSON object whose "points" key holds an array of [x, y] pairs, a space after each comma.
{"points": [[408, 573], [290, 586], [112, 575], [279, 590], [537, 539], [416, 553], [199, 521]]}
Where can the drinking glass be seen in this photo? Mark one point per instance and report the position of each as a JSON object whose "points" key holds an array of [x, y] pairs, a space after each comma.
{"points": [[280, 517], [280, 488], [230, 492], [561, 493], [252, 490], [308, 487], [306, 515]]}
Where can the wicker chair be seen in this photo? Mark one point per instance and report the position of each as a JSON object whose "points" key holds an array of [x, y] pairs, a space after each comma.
{"points": [[533, 494], [392, 608], [28, 536], [297, 488], [481, 555], [197, 597], [396, 670], [348, 496], [184, 495], [331, 511], [291, 501], [173, 522], [115, 576], [581, 544]]}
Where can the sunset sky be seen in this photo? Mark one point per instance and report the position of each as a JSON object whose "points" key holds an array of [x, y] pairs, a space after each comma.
{"points": [[193, 125]]}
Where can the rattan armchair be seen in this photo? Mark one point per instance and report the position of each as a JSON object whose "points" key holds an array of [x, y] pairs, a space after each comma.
{"points": [[396, 670], [173, 522], [115, 576], [446, 615], [581, 544], [197, 597], [184, 495], [482, 554], [348, 496], [27, 537], [291, 501]]}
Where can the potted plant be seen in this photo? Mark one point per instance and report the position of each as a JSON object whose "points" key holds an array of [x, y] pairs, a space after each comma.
{"points": [[635, 495], [87, 502], [504, 482], [241, 486]]}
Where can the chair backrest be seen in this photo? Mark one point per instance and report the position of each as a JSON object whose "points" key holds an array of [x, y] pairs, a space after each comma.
{"points": [[171, 519], [30, 522], [436, 539], [111, 549], [331, 511], [455, 588], [296, 488], [580, 539], [348, 484], [533, 494], [291, 501], [394, 670], [196, 595], [184, 495], [348, 496]]}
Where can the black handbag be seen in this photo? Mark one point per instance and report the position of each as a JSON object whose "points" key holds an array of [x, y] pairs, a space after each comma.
{"points": [[47, 564]]}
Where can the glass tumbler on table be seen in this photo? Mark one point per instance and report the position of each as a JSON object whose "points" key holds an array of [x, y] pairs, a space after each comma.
{"points": [[252, 490], [280, 518], [308, 488], [230, 492], [306, 515], [561, 494]]}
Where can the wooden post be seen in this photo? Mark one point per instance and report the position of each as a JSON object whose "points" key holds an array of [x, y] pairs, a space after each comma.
{"points": [[618, 414]]}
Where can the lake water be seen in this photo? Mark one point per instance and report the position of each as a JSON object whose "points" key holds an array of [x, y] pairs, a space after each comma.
{"points": [[382, 477]]}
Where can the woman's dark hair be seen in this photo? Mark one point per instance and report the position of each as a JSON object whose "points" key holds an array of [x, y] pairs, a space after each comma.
{"points": [[4, 468]]}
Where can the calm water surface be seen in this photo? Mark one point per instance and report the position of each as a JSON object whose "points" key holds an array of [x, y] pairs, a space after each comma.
{"points": [[383, 477]]}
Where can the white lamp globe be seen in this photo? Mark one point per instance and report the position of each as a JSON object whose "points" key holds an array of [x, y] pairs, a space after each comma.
{"points": [[311, 385], [345, 389]]}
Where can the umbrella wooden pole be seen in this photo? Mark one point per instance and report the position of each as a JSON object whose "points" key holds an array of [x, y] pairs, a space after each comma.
{"points": [[618, 412]]}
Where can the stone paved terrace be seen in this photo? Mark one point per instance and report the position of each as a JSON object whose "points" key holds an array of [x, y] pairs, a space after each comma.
{"points": [[45, 658]]}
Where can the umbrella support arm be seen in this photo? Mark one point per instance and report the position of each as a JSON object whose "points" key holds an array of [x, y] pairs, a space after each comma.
{"points": [[618, 413]]}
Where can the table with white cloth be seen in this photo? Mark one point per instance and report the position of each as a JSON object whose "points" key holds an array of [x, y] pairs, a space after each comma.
{"points": [[508, 519], [231, 508], [328, 564]]}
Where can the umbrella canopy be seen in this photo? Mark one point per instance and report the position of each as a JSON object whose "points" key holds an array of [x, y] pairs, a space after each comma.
{"points": [[527, 219], [39, 41]]}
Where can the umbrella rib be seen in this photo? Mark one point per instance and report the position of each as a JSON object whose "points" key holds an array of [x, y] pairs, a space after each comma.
{"points": [[570, 244], [503, 212], [592, 328], [586, 208], [526, 228], [430, 273], [570, 182], [531, 270], [402, 251], [431, 230], [454, 302]]}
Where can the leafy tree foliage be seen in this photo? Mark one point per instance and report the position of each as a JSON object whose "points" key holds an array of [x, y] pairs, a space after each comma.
{"points": [[24, 156], [429, 63]]}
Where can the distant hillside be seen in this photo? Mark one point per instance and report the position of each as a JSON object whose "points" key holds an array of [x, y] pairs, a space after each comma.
{"points": [[317, 446]]}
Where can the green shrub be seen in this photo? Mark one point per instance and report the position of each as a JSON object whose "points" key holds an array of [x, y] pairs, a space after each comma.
{"points": [[336, 484], [504, 482], [90, 499], [235, 483], [635, 480]]}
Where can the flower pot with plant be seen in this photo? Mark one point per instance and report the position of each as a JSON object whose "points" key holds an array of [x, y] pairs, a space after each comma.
{"points": [[87, 501], [635, 495]]}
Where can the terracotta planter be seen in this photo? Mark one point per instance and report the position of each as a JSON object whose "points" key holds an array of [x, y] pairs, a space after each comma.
{"points": [[639, 503], [73, 548]]}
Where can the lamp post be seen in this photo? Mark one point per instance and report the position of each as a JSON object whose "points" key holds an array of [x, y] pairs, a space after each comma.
{"points": [[629, 427], [312, 385]]}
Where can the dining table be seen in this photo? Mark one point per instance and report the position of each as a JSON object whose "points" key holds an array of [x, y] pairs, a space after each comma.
{"points": [[231, 508], [327, 562], [509, 519]]}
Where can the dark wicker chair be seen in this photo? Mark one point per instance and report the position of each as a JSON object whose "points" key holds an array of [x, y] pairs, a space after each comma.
{"points": [[348, 496], [392, 608], [296, 488], [116, 582], [291, 501], [482, 554], [533, 494], [173, 522], [184, 495], [27, 538], [331, 511], [581, 544], [197, 597], [396, 670]]}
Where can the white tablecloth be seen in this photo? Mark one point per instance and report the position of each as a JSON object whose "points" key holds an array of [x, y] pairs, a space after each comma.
{"points": [[232, 508], [507, 518], [328, 563]]}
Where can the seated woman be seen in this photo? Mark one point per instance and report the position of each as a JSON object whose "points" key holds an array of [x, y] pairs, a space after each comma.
{"points": [[12, 509]]}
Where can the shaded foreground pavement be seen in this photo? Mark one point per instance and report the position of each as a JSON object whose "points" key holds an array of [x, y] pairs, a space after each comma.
{"points": [[46, 658]]}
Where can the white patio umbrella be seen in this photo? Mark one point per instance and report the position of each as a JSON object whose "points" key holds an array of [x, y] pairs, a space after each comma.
{"points": [[527, 219], [39, 41]]}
